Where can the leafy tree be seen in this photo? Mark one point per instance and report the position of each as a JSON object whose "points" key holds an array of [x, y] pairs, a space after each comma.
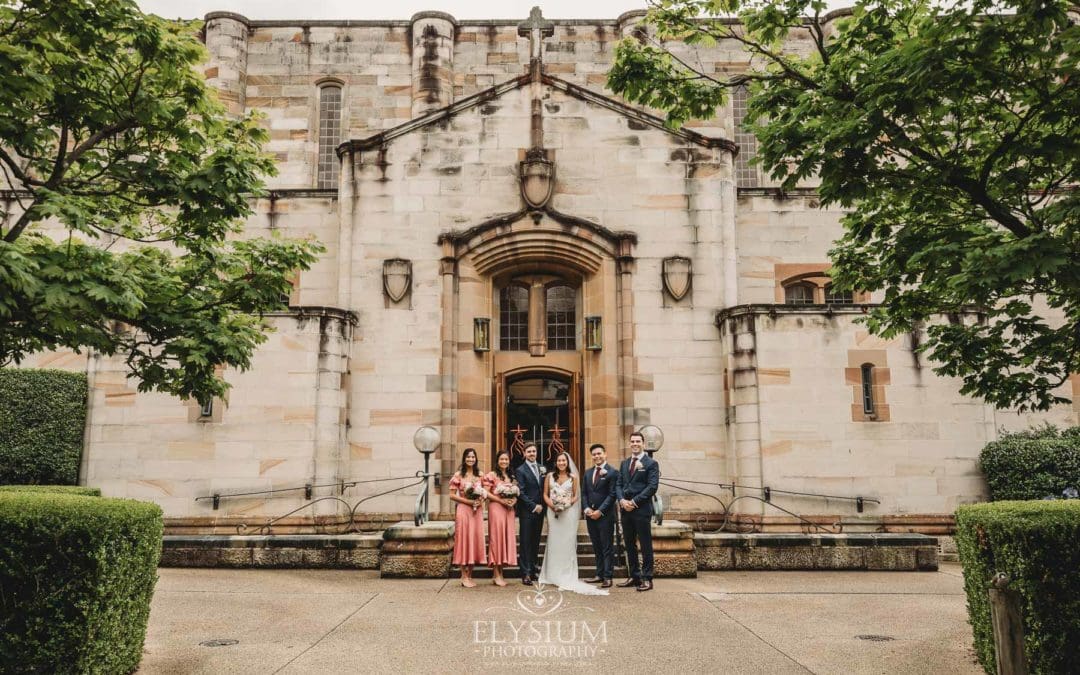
{"points": [[951, 133], [128, 183]]}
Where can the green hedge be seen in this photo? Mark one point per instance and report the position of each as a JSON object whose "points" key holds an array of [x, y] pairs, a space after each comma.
{"points": [[1032, 464], [42, 416], [1037, 544], [76, 577], [59, 489]]}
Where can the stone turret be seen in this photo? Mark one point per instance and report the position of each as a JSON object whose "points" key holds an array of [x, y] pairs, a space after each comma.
{"points": [[432, 35], [629, 22], [226, 38]]}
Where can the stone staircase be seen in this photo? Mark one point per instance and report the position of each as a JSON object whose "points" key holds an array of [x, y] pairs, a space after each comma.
{"points": [[586, 563]]}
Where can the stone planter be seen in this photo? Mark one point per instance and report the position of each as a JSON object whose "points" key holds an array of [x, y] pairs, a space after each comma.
{"points": [[673, 550], [417, 552], [859, 551], [338, 551]]}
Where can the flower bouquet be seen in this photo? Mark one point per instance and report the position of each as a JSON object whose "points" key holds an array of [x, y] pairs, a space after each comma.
{"points": [[561, 502], [507, 490], [474, 491]]}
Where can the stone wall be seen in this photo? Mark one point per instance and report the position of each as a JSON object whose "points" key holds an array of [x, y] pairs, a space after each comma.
{"points": [[917, 453], [262, 437], [614, 174]]}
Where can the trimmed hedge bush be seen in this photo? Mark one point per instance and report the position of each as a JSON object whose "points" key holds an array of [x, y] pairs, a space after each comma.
{"points": [[76, 577], [42, 416], [1032, 464], [1037, 544], [60, 489]]}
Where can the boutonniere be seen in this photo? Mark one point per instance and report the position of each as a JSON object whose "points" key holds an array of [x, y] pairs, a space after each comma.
{"points": [[543, 469], [603, 472]]}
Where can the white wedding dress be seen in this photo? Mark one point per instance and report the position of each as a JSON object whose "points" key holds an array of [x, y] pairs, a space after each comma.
{"points": [[560, 566]]}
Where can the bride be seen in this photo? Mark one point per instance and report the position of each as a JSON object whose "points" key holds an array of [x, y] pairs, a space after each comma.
{"points": [[560, 566]]}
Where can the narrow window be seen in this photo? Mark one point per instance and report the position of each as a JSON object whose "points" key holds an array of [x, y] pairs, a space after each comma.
{"points": [[746, 174], [799, 294], [329, 136], [514, 318], [561, 318], [836, 297], [207, 409], [867, 389]]}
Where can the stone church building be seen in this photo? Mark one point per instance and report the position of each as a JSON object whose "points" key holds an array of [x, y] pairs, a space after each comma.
{"points": [[513, 254]]}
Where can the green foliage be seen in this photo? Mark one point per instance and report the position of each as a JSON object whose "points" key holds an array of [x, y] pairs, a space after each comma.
{"points": [[1032, 464], [132, 185], [1034, 543], [42, 417], [56, 489], [950, 132], [76, 578]]}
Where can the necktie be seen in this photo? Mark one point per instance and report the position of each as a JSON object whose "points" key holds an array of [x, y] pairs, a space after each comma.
{"points": [[633, 465], [536, 472], [596, 476]]}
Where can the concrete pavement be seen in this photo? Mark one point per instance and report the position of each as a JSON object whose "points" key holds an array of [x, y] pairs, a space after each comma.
{"points": [[331, 621]]}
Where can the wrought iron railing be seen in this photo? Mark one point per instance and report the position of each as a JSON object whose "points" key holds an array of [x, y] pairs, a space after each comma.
{"points": [[732, 522], [349, 521], [746, 522]]}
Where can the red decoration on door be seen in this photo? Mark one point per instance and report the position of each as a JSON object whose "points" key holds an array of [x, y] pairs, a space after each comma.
{"points": [[556, 446], [517, 447]]}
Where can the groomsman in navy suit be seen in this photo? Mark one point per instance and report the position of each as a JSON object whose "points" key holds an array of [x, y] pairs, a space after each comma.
{"points": [[530, 512], [598, 504], [639, 477]]}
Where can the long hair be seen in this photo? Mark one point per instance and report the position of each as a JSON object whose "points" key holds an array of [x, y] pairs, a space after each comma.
{"points": [[569, 464], [503, 475], [476, 465]]}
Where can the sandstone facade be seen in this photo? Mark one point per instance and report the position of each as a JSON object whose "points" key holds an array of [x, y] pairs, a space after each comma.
{"points": [[427, 125]]}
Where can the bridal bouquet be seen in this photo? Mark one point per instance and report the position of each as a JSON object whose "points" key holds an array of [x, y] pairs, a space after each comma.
{"points": [[561, 502], [474, 491]]}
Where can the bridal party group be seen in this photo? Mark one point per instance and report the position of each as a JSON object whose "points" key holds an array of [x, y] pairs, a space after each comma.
{"points": [[521, 501]]}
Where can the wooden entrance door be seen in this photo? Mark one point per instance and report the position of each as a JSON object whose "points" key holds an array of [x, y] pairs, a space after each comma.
{"points": [[538, 407]]}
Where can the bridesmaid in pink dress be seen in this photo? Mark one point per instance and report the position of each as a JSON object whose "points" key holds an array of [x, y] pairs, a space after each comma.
{"points": [[469, 519], [502, 527]]}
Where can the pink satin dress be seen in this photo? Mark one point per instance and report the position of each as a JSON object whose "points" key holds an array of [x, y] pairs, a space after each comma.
{"points": [[468, 526], [502, 527]]}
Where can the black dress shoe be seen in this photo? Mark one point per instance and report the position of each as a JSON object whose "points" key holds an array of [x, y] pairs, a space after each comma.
{"points": [[645, 586], [527, 581], [606, 584], [628, 583], [594, 580]]}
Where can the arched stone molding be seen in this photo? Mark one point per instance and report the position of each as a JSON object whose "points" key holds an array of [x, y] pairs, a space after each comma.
{"points": [[525, 236]]}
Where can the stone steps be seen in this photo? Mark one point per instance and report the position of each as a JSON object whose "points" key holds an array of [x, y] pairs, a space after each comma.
{"points": [[586, 562]]}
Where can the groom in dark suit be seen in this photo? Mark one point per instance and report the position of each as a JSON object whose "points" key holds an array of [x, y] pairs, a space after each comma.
{"points": [[530, 512], [639, 477], [598, 505]]}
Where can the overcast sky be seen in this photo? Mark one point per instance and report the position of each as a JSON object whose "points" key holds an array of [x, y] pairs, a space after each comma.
{"points": [[396, 9]]}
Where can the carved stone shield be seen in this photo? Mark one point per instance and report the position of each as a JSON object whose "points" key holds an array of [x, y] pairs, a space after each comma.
{"points": [[397, 278], [537, 179], [677, 273]]}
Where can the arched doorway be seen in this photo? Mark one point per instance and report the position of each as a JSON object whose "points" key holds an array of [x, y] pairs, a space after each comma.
{"points": [[541, 407]]}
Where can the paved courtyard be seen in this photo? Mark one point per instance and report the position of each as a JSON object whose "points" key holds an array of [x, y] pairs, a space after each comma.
{"points": [[312, 621]]}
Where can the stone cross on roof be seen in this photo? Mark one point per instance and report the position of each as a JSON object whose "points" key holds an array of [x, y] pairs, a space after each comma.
{"points": [[536, 28]]}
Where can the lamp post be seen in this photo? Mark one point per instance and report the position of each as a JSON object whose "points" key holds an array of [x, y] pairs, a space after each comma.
{"points": [[426, 439], [654, 440]]}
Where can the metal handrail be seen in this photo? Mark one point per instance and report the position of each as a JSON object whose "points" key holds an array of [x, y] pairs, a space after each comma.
{"points": [[266, 528], [767, 491], [746, 523], [308, 489]]}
